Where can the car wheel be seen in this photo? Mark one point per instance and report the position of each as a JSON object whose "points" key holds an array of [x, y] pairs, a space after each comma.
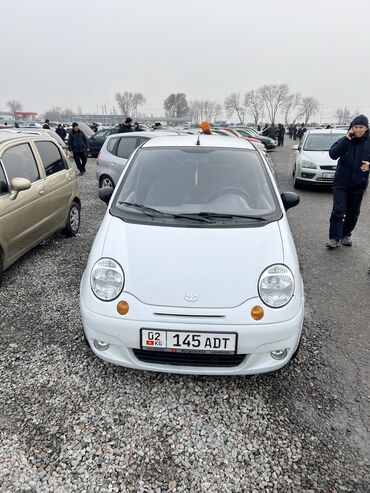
{"points": [[73, 221], [106, 181]]}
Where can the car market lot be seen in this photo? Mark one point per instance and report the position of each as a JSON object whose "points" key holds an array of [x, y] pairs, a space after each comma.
{"points": [[71, 422]]}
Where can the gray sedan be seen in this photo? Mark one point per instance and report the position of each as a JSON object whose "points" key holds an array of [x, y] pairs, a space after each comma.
{"points": [[115, 153]]}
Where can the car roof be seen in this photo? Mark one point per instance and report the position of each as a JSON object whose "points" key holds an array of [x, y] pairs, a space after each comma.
{"points": [[205, 141], [339, 131], [149, 133], [21, 136]]}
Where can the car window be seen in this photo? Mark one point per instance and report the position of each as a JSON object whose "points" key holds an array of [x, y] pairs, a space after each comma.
{"points": [[126, 146], [101, 135], [19, 162], [321, 142], [51, 157], [188, 181], [3, 184], [142, 140], [112, 145]]}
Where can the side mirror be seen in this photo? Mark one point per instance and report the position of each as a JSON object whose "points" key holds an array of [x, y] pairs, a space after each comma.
{"points": [[295, 147], [19, 185], [290, 199], [105, 194]]}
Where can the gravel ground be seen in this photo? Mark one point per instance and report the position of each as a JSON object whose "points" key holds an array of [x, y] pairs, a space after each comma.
{"points": [[70, 422]]}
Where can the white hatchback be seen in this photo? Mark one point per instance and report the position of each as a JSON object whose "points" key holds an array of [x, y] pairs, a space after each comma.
{"points": [[194, 269]]}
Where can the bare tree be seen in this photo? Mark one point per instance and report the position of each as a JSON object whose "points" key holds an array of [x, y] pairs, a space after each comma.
{"points": [[14, 105], [275, 97], [126, 102], [233, 105], [343, 115], [309, 107], [255, 105], [137, 100], [176, 105], [292, 103], [53, 114]]}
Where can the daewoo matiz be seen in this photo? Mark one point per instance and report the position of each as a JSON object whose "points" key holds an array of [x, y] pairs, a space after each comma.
{"points": [[194, 269]]}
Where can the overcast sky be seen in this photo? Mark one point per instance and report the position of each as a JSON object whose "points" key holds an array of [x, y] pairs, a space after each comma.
{"points": [[81, 52]]}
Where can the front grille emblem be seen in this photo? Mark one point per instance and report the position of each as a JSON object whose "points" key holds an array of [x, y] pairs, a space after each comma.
{"points": [[191, 297]]}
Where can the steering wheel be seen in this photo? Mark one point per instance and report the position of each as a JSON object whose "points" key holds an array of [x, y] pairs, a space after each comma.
{"points": [[228, 191]]}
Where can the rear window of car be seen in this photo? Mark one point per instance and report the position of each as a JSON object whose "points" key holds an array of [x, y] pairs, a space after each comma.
{"points": [[126, 146], [19, 162], [112, 145], [50, 157]]}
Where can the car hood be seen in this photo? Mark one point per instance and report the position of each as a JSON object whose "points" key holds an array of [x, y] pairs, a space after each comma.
{"points": [[321, 158], [192, 267]]}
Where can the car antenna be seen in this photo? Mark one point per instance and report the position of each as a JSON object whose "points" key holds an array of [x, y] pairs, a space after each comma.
{"points": [[198, 140]]}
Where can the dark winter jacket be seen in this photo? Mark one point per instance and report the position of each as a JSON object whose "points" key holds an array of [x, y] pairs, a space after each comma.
{"points": [[123, 128], [351, 153], [77, 142], [61, 132]]}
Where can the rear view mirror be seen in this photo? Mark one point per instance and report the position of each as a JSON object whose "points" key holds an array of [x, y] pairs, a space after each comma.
{"points": [[295, 147], [290, 199], [105, 194], [19, 185]]}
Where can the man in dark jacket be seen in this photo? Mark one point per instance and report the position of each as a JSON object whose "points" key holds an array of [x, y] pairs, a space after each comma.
{"points": [[60, 130], [301, 131], [350, 180], [77, 143], [46, 125], [281, 134], [125, 126]]}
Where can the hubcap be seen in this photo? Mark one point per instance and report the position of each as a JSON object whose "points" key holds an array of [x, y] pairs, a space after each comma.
{"points": [[107, 183], [74, 218]]}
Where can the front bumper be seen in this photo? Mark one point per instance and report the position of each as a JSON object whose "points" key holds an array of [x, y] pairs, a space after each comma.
{"points": [[315, 176], [255, 341]]}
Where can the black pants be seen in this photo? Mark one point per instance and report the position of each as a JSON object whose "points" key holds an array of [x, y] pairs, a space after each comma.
{"points": [[346, 210], [281, 140], [80, 160]]}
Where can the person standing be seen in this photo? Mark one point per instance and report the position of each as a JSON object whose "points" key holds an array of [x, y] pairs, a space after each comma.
{"points": [[281, 134], [301, 131], [61, 132], [266, 130], [137, 127], [125, 126], [350, 181], [46, 125], [77, 144]]}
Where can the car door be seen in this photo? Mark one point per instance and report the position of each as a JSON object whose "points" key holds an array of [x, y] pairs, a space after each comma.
{"points": [[58, 182], [122, 151], [23, 219]]}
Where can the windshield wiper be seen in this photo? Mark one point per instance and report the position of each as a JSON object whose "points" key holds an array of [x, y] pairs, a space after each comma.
{"points": [[229, 216], [150, 211]]}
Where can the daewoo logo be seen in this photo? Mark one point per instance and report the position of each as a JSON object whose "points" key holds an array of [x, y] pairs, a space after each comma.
{"points": [[191, 297]]}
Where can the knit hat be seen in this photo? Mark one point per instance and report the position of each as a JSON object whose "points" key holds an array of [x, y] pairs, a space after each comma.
{"points": [[360, 120], [74, 124], [205, 126], [128, 120]]}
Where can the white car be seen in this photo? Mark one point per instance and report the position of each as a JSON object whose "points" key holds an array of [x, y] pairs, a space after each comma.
{"points": [[194, 269], [313, 165]]}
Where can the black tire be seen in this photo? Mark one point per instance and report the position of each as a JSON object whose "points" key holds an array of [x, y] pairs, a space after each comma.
{"points": [[297, 185], [73, 220], [106, 181]]}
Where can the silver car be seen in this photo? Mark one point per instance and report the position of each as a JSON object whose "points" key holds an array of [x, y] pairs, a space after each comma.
{"points": [[115, 152], [313, 165]]}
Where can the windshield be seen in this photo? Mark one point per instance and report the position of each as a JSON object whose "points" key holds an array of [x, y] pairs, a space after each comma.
{"points": [[321, 142], [212, 183]]}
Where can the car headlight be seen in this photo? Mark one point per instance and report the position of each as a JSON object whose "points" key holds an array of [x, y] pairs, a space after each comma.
{"points": [[276, 286], [308, 164], [107, 279]]}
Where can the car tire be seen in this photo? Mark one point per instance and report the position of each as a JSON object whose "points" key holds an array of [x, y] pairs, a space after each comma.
{"points": [[73, 220], [296, 184], [106, 181]]}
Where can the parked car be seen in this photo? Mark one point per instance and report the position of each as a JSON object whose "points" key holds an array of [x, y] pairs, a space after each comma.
{"points": [[194, 269], [115, 152], [266, 141], [38, 194], [97, 140], [39, 131], [313, 165]]}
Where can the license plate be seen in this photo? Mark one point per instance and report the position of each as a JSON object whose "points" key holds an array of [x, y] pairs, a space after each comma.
{"points": [[178, 341], [328, 175]]}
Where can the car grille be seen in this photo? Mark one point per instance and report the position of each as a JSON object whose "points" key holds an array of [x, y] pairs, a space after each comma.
{"points": [[329, 167], [188, 359]]}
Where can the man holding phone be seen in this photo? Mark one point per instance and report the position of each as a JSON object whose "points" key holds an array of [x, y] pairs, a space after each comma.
{"points": [[350, 181]]}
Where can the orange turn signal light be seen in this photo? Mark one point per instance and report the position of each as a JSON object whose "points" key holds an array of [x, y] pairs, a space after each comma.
{"points": [[122, 307], [257, 313]]}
